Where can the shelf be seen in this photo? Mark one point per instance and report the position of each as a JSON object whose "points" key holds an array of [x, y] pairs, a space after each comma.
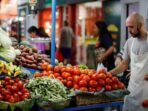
{"points": [[117, 104]]}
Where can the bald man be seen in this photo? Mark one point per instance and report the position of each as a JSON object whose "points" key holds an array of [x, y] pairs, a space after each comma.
{"points": [[136, 54]]}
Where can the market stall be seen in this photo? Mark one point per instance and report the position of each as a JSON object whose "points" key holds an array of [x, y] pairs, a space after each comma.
{"points": [[28, 78]]}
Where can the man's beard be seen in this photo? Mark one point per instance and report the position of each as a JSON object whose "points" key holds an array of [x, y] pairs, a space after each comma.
{"points": [[137, 35]]}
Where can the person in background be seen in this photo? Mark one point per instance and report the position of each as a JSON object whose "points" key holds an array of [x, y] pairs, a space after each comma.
{"points": [[13, 36], [65, 42], [135, 54], [43, 34], [104, 45], [33, 32]]}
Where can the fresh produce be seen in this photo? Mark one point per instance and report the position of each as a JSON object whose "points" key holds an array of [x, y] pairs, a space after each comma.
{"points": [[13, 90], [47, 89], [9, 54], [82, 79], [82, 66], [9, 69], [30, 57], [5, 41], [145, 103]]}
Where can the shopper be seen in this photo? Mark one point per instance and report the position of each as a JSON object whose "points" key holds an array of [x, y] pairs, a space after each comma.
{"points": [[65, 42], [104, 47], [135, 53], [33, 32], [14, 36], [43, 34]]}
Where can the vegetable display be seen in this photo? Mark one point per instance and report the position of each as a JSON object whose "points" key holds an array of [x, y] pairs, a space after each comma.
{"points": [[85, 80], [13, 90], [29, 57], [47, 89], [5, 41], [9, 69]]}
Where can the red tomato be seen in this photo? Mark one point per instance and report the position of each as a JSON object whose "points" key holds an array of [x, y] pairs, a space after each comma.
{"points": [[82, 71], [11, 82], [24, 97], [36, 74], [76, 71], [69, 84], [114, 86], [5, 92], [20, 84], [90, 73], [83, 89], [19, 94], [16, 97], [27, 94], [93, 83], [101, 82], [17, 79], [56, 69], [108, 88], [65, 75], [69, 79], [11, 100], [145, 103], [44, 66], [121, 85], [68, 69], [109, 75], [49, 67], [76, 79], [91, 89], [86, 71], [56, 75], [76, 86], [7, 78], [14, 89], [1, 97], [102, 76], [59, 78], [64, 81], [24, 90], [86, 78], [108, 81], [115, 79], [1, 86], [102, 70], [63, 69], [98, 89], [82, 83], [50, 72], [94, 76]]}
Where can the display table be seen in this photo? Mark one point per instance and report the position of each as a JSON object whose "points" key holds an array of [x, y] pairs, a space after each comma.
{"points": [[118, 104]]}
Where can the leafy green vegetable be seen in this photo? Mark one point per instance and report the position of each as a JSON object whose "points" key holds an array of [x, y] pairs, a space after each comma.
{"points": [[48, 89], [82, 66]]}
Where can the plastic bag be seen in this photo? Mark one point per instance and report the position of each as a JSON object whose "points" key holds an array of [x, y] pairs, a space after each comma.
{"points": [[100, 66]]}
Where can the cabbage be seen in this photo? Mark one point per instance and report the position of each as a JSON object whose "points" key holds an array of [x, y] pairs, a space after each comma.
{"points": [[5, 41], [8, 54]]}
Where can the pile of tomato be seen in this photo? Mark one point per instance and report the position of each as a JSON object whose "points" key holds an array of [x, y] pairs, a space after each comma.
{"points": [[13, 90], [86, 80]]}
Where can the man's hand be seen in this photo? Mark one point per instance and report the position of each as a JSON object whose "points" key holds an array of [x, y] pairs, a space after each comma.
{"points": [[146, 77]]}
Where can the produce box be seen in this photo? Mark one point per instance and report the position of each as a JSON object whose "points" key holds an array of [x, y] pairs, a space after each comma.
{"points": [[25, 105], [108, 96]]}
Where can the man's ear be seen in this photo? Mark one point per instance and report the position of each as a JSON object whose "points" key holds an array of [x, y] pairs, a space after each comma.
{"points": [[140, 25]]}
